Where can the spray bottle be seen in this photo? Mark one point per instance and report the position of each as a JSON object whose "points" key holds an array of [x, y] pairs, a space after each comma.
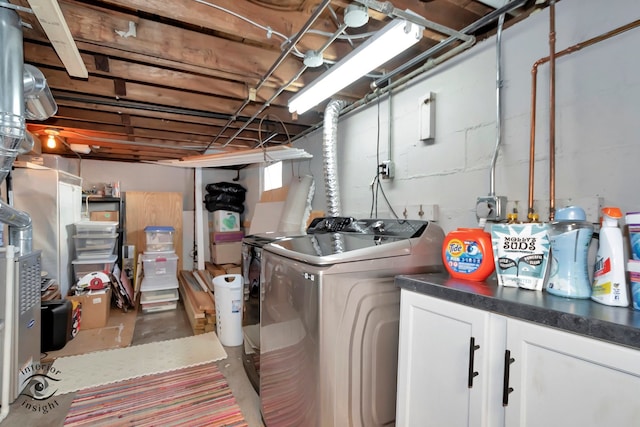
{"points": [[609, 283]]}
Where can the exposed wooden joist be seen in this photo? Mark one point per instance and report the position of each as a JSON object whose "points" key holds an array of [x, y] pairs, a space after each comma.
{"points": [[54, 25]]}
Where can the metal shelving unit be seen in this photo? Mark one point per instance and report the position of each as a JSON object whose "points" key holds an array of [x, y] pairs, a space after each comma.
{"points": [[102, 203]]}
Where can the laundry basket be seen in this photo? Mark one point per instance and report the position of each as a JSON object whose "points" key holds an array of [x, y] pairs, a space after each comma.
{"points": [[227, 290]]}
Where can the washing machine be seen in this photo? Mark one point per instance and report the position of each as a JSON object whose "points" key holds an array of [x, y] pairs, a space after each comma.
{"points": [[330, 319], [251, 267]]}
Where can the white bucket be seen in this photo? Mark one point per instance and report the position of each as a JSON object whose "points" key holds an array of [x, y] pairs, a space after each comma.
{"points": [[227, 290]]}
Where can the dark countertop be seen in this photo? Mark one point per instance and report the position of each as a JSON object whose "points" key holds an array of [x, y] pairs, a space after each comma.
{"points": [[619, 325]]}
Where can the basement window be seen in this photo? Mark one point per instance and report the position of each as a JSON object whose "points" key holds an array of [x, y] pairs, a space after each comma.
{"points": [[272, 176]]}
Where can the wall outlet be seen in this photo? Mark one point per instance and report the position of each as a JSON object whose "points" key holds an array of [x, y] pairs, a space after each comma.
{"points": [[491, 208], [386, 169]]}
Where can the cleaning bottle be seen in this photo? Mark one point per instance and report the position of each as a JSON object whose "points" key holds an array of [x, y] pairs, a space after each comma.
{"points": [[466, 253], [609, 283], [570, 235]]}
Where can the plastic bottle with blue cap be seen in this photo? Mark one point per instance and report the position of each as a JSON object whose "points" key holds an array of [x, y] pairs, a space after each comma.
{"points": [[570, 235]]}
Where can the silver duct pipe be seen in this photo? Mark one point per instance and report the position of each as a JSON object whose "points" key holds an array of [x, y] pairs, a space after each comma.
{"points": [[12, 105], [12, 121], [330, 160]]}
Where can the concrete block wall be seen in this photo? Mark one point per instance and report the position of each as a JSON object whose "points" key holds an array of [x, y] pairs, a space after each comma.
{"points": [[597, 123]]}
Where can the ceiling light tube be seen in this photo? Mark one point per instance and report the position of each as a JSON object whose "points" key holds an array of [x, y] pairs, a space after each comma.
{"points": [[387, 43]]}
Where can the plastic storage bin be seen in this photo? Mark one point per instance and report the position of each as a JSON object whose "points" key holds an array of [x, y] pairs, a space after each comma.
{"points": [[94, 245], [159, 296], [159, 265], [88, 228], [158, 283], [159, 239], [159, 306], [82, 267]]}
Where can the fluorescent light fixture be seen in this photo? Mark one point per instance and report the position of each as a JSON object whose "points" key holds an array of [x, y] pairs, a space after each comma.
{"points": [[387, 43], [241, 157]]}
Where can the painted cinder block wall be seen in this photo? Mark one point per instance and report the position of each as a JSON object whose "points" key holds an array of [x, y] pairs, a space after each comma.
{"points": [[597, 123]]}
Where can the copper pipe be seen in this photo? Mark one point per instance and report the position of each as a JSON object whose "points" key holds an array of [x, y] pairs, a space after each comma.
{"points": [[534, 73], [532, 136], [552, 110]]}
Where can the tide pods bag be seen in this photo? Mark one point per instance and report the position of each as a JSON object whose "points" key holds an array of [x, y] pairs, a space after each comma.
{"points": [[521, 254]]}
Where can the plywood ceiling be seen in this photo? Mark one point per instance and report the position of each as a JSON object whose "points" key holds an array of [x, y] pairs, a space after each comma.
{"points": [[174, 79]]}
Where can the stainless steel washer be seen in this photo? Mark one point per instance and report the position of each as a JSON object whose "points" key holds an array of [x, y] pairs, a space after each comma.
{"points": [[251, 267], [330, 318]]}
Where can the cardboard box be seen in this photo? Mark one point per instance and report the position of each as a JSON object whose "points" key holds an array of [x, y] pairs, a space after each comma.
{"points": [[225, 236], [95, 308], [226, 253], [224, 221], [103, 215]]}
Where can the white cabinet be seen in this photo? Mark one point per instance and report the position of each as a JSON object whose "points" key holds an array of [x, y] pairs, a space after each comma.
{"points": [[564, 379], [554, 378], [53, 199]]}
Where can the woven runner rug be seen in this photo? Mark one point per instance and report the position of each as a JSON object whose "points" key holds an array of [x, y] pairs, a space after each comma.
{"points": [[109, 366], [189, 397]]}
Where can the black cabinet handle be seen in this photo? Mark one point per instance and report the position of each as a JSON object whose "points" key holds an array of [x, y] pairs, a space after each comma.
{"points": [[508, 360], [472, 352]]}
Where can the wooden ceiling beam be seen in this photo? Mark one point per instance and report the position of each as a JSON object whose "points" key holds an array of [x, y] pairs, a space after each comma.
{"points": [[97, 26], [159, 115], [40, 54], [285, 22], [154, 95]]}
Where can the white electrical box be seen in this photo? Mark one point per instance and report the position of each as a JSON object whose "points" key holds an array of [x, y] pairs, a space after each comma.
{"points": [[428, 118]]}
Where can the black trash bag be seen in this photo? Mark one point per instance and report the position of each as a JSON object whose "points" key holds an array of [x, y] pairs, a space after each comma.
{"points": [[225, 187], [224, 207], [225, 198]]}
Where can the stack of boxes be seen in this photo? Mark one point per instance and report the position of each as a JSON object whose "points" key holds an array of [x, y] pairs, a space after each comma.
{"points": [[225, 239], [159, 288], [95, 242]]}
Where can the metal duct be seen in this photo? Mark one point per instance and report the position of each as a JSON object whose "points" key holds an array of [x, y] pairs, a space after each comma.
{"points": [[12, 104], [330, 160], [12, 122]]}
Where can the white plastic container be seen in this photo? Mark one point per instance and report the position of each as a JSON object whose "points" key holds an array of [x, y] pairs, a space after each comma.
{"points": [[159, 265], [158, 283], [148, 297], [88, 228], [82, 267], [159, 239], [94, 245], [609, 281], [227, 290]]}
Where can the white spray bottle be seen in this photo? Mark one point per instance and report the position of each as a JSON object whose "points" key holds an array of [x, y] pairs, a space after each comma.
{"points": [[609, 283]]}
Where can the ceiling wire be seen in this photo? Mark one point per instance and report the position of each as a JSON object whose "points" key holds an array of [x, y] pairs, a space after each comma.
{"points": [[274, 66], [286, 39]]}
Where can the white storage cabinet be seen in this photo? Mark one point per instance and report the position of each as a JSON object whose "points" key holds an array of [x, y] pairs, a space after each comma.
{"points": [[53, 199], [461, 366]]}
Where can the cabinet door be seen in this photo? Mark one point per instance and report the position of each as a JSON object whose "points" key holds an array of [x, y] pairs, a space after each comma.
{"points": [[563, 379], [436, 351]]}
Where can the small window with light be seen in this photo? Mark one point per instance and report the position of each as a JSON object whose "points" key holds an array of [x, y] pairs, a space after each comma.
{"points": [[272, 176]]}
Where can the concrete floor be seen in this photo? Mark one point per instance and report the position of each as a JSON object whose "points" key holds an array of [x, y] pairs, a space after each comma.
{"points": [[150, 328]]}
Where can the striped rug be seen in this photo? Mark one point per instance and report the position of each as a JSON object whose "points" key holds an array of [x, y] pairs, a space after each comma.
{"points": [[189, 397]]}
